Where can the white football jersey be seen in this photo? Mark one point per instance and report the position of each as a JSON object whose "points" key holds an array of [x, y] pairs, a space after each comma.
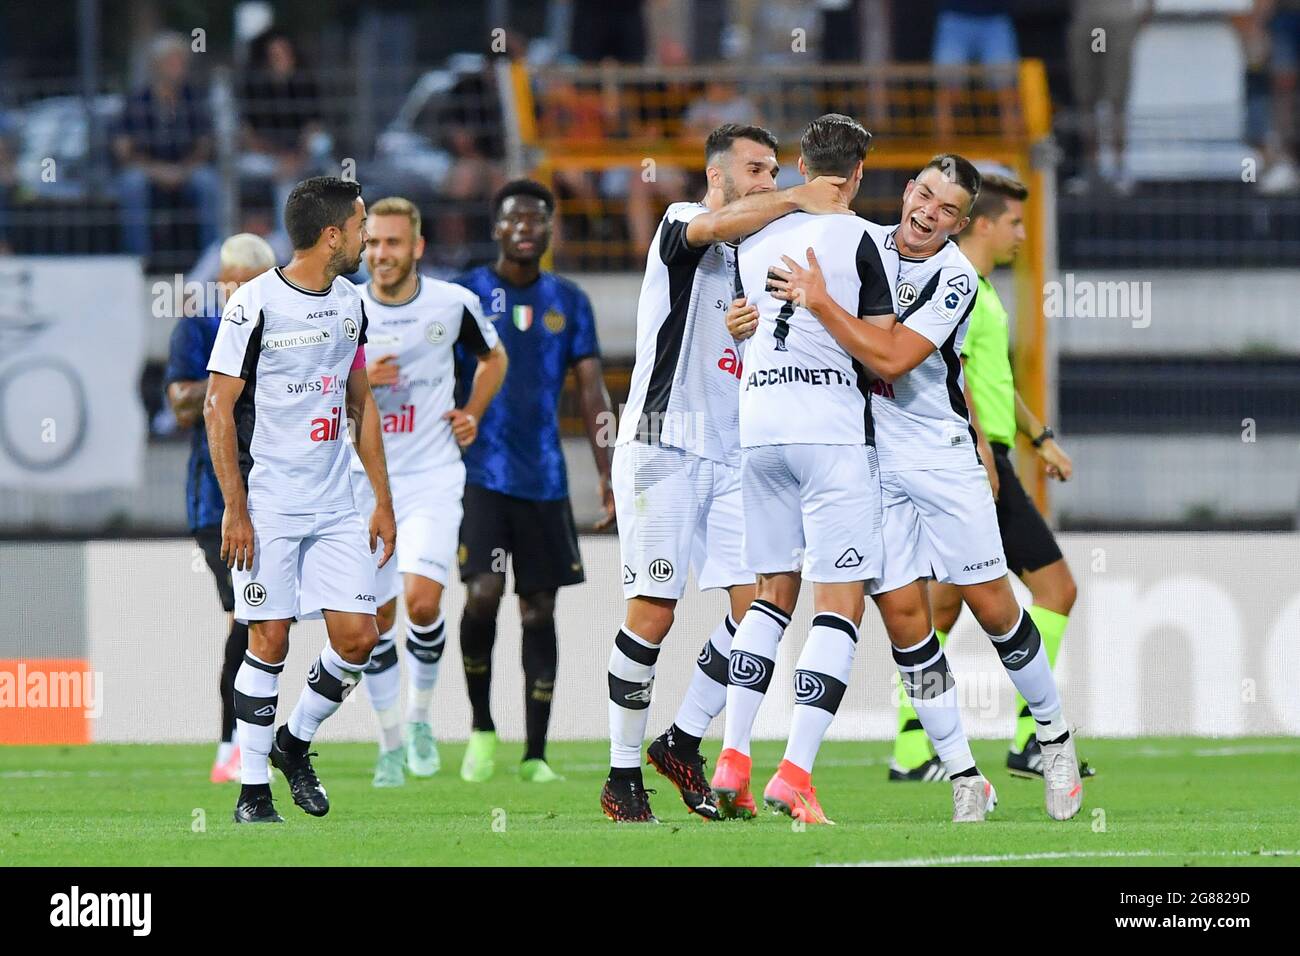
{"points": [[684, 389], [799, 386], [294, 348], [921, 417], [422, 332]]}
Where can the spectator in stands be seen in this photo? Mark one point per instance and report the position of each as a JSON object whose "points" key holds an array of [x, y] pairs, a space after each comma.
{"points": [[472, 133], [1280, 174], [284, 139], [971, 32], [1099, 43], [602, 30], [164, 145]]}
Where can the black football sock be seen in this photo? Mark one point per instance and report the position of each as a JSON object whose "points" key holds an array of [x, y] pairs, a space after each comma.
{"points": [[477, 635], [539, 658], [236, 644]]}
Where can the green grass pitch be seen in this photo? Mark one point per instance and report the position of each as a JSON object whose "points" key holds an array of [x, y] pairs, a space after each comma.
{"points": [[1155, 801]]}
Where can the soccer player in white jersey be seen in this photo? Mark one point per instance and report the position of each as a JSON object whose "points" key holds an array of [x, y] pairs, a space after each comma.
{"points": [[808, 477], [676, 465], [939, 516], [288, 377], [415, 322]]}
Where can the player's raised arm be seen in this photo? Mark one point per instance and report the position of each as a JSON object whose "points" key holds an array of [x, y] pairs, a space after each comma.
{"points": [[219, 419], [368, 439], [748, 215]]}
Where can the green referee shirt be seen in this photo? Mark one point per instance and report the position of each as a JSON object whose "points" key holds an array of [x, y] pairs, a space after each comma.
{"points": [[987, 351]]}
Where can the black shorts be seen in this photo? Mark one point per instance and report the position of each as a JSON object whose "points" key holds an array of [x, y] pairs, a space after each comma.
{"points": [[209, 539], [1026, 539], [539, 535]]}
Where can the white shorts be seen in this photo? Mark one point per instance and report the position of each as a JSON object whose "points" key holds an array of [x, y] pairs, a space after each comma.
{"points": [[676, 510], [428, 511], [940, 523], [303, 564], [812, 508]]}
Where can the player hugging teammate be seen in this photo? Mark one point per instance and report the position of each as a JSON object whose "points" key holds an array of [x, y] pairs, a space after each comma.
{"points": [[859, 472]]}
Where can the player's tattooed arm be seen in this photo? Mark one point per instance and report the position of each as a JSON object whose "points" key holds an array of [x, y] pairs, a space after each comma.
{"points": [[889, 349], [219, 419], [594, 401], [751, 213], [488, 376], [186, 400], [368, 439]]}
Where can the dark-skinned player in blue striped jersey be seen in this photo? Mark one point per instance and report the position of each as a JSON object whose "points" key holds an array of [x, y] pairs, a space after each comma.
{"points": [[516, 489]]}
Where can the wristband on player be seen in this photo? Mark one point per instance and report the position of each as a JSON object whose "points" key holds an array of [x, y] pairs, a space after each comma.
{"points": [[1045, 434]]}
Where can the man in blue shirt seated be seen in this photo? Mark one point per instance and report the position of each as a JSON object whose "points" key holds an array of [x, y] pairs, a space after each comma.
{"points": [[516, 490], [243, 257]]}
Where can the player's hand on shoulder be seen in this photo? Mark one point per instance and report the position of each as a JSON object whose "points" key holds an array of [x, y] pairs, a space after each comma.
{"points": [[742, 319], [384, 370], [237, 539], [464, 426], [383, 527], [1059, 465], [822, 195]]}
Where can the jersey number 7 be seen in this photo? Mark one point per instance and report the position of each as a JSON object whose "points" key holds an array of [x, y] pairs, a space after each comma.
{"points": [[783, 326]]}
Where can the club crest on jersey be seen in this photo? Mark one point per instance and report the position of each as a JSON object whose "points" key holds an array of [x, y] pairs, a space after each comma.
{"points": [[328, 429], [906, 295], [660, 569], [254, 594], [351, 329], [435, 332], [522, 317], [554, 321]]}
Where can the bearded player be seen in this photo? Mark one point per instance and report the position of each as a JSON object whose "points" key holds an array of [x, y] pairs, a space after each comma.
{"points": [[677, 461]]}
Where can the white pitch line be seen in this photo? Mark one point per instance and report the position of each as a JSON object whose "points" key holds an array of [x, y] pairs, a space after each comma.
{"points": [[1064, 855]]}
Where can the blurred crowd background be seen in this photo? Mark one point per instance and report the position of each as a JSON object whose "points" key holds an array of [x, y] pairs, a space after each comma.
{"points": [[156, 127]]}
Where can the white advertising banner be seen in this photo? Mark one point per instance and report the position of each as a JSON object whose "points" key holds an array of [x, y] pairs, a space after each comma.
{"points": [[1192, 634], [71, 352]]}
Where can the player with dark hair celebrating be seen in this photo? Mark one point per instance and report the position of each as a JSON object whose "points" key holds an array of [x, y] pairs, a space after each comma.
{"points": [[998, 413], [288, 378], [939, 518], [677, 464], [516, 490], [809, 478]]}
